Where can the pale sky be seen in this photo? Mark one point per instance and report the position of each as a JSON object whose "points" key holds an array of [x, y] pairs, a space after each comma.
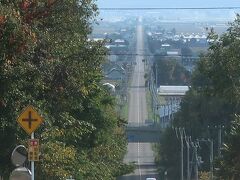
{"points": [[166, 3]]}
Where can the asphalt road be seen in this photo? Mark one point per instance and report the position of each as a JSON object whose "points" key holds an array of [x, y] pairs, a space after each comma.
{"points": [[140, 153]]}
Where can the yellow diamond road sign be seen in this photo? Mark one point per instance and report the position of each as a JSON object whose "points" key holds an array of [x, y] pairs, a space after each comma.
{"points": [[30, 120]]}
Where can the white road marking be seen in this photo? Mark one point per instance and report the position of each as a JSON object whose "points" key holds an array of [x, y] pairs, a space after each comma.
{"points": [[138, 110]]}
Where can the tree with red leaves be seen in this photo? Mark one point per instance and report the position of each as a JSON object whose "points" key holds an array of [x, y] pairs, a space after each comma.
{"points": [[46, 60]]}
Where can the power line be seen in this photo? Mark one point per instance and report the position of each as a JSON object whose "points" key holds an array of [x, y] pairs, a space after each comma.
{"points": [[150, 55], [159, 55], [156, 55], [168, 8]]}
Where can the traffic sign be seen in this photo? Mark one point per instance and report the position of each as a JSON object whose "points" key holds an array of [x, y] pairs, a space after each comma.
{"points": [[33, 150], [29, 120]]}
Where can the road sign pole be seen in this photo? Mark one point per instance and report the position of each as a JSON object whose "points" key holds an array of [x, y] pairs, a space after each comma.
{"points": [[32, 162], [30, 120]]}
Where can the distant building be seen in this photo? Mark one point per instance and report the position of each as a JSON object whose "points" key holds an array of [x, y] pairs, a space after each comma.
{"points": [[172, 91], [119, 41], [165, 45], [197, 39], [173, 96], [98, 39], [115, 74], [173, 53], [112, 58], [110, 86]]}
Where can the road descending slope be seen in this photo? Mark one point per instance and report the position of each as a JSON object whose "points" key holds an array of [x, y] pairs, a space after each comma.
{"points": [[140, 153]]}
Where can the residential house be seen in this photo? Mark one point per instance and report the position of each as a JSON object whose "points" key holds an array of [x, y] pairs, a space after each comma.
{"points": [[115, 74]]}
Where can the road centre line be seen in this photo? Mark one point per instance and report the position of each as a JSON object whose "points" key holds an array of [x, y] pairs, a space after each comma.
{"points": [[138, 102]]}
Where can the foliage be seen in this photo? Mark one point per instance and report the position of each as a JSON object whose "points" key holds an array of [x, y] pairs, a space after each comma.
{"points": [[167, 155], [186, 51], [229, 167], [170, 72], [46, 60], [212, 100], [204, 176]]}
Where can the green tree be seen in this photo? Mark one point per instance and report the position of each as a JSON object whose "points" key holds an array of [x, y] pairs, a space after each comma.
{"points": [[167, 158], [46, 60], [213, 98], [170, 72], [229, 166]]}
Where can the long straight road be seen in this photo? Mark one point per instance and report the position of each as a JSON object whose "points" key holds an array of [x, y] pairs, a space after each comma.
{"points": [[140, 153]]}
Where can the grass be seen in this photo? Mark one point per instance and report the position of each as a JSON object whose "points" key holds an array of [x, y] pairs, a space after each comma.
{"points": [[149, 105], [124, 111], [161, 100]]}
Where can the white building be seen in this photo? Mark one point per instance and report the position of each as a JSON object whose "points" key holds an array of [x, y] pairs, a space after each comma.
{"points": [[172, 96]]}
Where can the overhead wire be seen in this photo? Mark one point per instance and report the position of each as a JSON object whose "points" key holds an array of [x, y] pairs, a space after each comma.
{"points": [[151, 55], [168, 8], [161, 8]]}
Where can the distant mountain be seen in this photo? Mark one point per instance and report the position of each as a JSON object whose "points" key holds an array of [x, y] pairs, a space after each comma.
{"points": [[169, 3]]}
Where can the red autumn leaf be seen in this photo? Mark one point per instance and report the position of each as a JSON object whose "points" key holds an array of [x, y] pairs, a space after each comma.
{"points": [[11, 39], [2, 19], [50, 2], [25, 4]]}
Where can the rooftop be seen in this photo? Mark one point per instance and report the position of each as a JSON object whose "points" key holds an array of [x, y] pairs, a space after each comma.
{"points": [[172, 90]]}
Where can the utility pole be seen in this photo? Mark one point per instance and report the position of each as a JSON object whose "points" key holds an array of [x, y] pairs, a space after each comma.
{"points": [[181, 154], [196, 159], [169, 115], [156, 75], [211, 158], [188, 139], [195, 146], [151, 90], [210, 141], [219, 137], [219, 140], [180, 131], [171, 109], [164, 117]]}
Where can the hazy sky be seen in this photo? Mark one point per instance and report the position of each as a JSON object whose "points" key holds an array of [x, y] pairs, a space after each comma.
{"points": [[167, 3]]}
